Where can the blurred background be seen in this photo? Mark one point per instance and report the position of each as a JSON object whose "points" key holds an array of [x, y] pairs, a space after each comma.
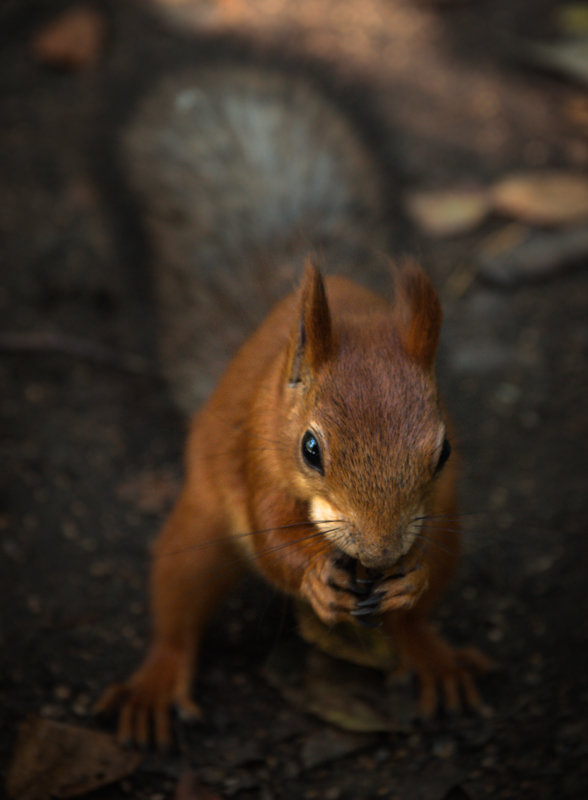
{"points": [[477, 111]]}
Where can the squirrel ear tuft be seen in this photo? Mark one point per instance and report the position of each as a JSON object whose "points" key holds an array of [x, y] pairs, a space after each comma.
{"points": [[312, 340], [418, 311]]}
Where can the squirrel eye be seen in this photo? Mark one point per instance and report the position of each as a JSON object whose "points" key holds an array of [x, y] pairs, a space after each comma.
{"points": [[445, 453], [311, 452]]}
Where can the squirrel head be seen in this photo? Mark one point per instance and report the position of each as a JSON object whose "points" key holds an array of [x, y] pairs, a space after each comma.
{"points": [[362, 418]]}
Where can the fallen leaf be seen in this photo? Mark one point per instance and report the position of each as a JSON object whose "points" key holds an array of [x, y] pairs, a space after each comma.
{"points": [[448, 212], [74, 40], [336, 692], [568, 57], [549, 197], [368, 647], [335, 703], [504, 240], [324, 747], [522, 255], [53, 759]]}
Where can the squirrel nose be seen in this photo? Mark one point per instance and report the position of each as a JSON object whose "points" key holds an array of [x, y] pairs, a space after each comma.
{"points": [[379, 557]]}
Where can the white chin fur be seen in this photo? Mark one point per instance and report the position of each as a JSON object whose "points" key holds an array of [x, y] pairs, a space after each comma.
{"points": [[412, 532], [332, 525], [334, 528]]}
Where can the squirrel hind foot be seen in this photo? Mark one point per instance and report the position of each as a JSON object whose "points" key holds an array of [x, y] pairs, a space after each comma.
{"points": [[447, 676], [144, 703], [450, 684]]}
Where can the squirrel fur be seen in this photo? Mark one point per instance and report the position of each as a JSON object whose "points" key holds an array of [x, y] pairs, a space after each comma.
{"points": [[321, 459]]}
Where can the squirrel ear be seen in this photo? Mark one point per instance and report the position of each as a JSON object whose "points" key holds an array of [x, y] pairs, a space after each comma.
{"points": [[418, 311], [312, 340]]}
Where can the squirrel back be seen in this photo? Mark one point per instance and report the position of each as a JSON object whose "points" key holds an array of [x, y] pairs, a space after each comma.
{"points": [[240, 172]]}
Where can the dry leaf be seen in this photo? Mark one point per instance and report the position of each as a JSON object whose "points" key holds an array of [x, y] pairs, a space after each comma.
{"points": [[508, 260], [568, 57], [548, 198], [448, 212], [326, 746], [53, 759], [332, 690], [368, 647], [73, 40], [334, 703]]}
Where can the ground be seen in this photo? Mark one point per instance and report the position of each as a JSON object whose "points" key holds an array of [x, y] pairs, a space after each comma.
{"points": [[92, 444]]}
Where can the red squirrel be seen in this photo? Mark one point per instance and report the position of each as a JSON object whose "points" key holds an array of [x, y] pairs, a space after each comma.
{"points": [[322, 458], [323, 449]]}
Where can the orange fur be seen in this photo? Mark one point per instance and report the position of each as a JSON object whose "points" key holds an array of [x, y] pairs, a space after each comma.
{"points": [[339, 361]]}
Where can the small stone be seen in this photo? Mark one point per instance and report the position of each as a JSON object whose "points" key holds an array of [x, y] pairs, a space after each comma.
{"points": [[62, 692], [495, 635], [444, 747], [507, 394], [70, 530], [34, 604], [50, 711], [81, 705], [13, 551], [100, 569]]}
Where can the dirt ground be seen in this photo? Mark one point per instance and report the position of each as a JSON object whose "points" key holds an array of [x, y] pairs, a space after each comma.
{"points": [[91, 445]]}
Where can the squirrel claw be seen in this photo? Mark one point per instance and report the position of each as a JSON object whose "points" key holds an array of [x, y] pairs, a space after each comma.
{"points": [[189, 712], [358, 591], [145, 702], [368, 605], [110, 699]]}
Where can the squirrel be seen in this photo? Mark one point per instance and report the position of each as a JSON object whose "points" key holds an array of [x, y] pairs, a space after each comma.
{"points": [[322, 458]]}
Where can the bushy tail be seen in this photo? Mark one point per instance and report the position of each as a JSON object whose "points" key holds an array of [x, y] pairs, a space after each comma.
{"points": [[240, 173]]}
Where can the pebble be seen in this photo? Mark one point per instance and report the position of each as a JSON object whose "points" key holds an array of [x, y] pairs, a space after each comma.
{"points": [[100, 569], [34, 604], [507, 394], [13, 551], [89, 545], [70, 530], [444, 747], [50, 711], [81, 705], [495, 635], [62, 692]]}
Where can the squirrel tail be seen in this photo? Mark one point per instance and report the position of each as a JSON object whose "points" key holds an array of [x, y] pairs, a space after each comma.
{"points": [[240, 172]]}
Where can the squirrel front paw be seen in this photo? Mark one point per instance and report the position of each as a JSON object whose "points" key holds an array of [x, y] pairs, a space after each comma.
{"points": [[337, 594], [331, 586], [397, 592], [144, 702]]}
